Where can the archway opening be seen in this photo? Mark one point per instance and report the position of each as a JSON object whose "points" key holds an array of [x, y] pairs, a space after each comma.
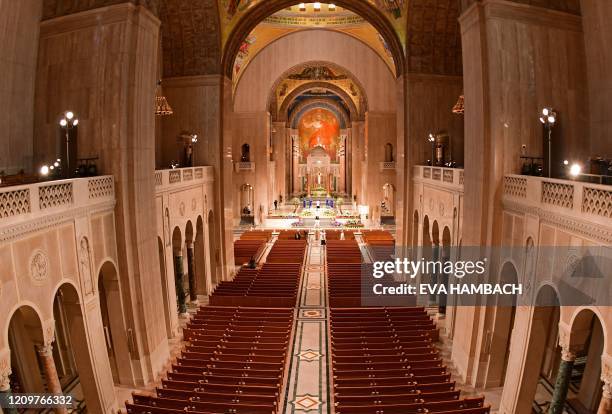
{"points": [[25, 334], [585, 391]]}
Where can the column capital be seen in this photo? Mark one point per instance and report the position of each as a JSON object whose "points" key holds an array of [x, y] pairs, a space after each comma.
{"points": [[568, 354], [606, 376], [5, 372], [45, 350]]}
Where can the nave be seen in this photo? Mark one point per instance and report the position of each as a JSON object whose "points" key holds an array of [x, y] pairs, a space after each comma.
{"points": [[289, 335]]}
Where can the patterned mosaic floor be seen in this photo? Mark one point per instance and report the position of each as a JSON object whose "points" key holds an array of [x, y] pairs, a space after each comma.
{"points": [[308, 390]]}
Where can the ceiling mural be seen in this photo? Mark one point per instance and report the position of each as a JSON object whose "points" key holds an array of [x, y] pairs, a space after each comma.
{"points": [[326, 15], [293, 19]]}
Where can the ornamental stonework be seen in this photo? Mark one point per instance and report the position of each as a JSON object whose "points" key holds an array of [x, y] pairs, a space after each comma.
{"points": [[39, 267]]}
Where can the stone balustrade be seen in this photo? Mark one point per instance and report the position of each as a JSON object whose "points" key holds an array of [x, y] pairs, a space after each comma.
{"points": [[22, 203], [446, 177], [182, 177], [580, 204]]}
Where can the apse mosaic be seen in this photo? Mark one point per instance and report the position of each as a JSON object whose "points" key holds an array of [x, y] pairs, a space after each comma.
{"points": [[319, 128]]}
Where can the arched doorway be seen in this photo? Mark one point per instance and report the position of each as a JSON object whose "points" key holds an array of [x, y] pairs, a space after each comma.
{"points": [[113, 324], [164, 285], [213, 253], [25, 333], [388, 152], [585, 388], [427, 255]]}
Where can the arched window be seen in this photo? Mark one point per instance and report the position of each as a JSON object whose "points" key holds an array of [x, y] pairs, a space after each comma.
{"points": [[388, 152], [245, 153]]}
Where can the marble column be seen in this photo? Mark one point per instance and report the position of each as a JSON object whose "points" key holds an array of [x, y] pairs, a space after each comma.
{"points": [[605, 405], [193, 295], [564, 375], [178, 280], [45, 353], [5, 388]]}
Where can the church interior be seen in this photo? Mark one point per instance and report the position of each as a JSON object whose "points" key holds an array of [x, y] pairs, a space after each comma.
{"points": [[190, 191]]}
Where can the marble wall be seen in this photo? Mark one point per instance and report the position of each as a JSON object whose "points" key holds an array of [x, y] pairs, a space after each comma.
{"points": [[596, 15], [19, 21], [102, 64]]}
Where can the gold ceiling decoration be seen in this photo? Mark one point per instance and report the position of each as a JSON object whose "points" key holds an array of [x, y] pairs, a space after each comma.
{"points": [[459, 106], [162, 107]]}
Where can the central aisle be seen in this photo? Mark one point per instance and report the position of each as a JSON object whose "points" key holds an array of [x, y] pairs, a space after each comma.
{"points": [[308, 386]]}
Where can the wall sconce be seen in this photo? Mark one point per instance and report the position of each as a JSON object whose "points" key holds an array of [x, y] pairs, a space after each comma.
{"points": [[67, 123], [548, 119]]}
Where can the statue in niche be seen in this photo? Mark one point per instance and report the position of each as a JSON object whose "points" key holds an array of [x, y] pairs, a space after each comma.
{"points": [[85, 265]]}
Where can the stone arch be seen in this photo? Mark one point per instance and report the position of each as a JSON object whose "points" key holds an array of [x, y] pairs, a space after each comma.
{"points": [[259, 12], [302, 107], [415, 231], [23, 333], [201, 262], [355, 114], [588, 332], [263, 75]]}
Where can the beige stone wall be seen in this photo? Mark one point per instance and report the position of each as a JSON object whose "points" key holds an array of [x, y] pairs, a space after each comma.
{"points": [[19, 45], [596, 15], [60, 241]]}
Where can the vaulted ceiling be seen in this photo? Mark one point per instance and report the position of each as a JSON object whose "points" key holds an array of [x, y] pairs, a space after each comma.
{"points": [[194, 32]]}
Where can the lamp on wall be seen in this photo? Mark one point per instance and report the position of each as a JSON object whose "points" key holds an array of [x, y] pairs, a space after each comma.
{"points": [[162, 107], [68, 122], [548, 118]]}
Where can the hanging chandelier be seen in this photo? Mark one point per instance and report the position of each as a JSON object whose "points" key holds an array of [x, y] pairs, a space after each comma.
{"points": [[459, 106], [162, 107]]}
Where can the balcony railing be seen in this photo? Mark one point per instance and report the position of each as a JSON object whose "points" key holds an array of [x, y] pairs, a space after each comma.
{"points": [[387, 166], [450, 177], [591, 201], [242, 166], [182, 177], [26, 202]]}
